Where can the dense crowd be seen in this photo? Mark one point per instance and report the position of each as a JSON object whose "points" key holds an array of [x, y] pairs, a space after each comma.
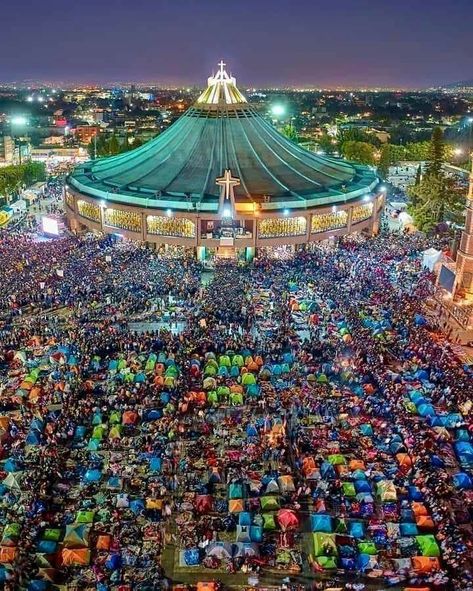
{"points": [[304, 421]]}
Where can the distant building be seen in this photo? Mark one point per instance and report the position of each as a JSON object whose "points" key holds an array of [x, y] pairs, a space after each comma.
{"points": [[85, 133], [7, 150]]}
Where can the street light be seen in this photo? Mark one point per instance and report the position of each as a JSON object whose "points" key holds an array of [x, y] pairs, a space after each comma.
{"points": [[278, 110], [18, 121]]}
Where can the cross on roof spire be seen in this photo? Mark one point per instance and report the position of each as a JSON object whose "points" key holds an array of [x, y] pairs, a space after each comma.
{"points": [[227, 181], [222, 65]]}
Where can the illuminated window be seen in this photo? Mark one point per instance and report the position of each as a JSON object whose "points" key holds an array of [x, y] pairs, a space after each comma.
{"points": [[88, 210], [329, 221], [361, 213], [124, 220], [282, 227], [170, 226]]}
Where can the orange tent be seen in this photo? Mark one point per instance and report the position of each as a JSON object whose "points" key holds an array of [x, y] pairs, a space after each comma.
{"points": [[425, 564], [356, 465], [4, 422], [425, 522], [129, 417], [34, 394], [206, 586], [405, 460], [7, 554], [75, 557], [158, 380], [308, 465], [236, 388], [159, 369], [259, 360], [236, 506], [103, 542], [419, 509], [154, 504]]}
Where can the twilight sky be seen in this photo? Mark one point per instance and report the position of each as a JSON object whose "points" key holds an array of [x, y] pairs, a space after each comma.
{"points": [[405, 43]]}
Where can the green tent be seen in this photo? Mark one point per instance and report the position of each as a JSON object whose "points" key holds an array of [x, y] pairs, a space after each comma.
{"points": [[52, 534], [11, 533], [269, 522], [85, 516], [225, 361], [212, 397], [247, 379], [428, 545], [269, 503], [367, 548], [337, 459], [210, 370], [349, 489], [327, 562], [324, 544], [151, 362], [99, 431], [115, 417], [223, 391], [238, 360], [236, 398]]}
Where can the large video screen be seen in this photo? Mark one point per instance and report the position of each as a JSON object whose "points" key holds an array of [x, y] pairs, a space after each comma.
{"points": [[447, 278], [50, 226]]}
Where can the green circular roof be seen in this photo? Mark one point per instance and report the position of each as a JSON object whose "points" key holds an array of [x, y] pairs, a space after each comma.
{"points": [[220, 132]]}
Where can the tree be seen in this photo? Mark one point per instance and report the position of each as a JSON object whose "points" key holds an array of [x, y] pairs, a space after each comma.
{"points": [[435, 198], [418, 176], [436, 155], [360, 152], [327, 143], [113, 146], [290, 132], [390, 154]]}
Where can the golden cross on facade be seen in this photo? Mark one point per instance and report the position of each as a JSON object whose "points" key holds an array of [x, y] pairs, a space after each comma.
{"points": [[228, 182]]}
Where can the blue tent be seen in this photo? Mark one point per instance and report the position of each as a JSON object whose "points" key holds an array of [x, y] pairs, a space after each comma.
{"points": [[256, 533], [414, 493], [93, 475], [356, 529], [137, 506], [79, 432], [155, 464], [244, 518], [463, 481], [114, 562], [33, 438], [320, 522], [235, 491], [426, 410], [408, 529], [362, 486], [191, 557]]}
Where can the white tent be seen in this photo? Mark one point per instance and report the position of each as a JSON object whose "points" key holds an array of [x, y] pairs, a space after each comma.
{"points": [[405, 219], [430, 257]]}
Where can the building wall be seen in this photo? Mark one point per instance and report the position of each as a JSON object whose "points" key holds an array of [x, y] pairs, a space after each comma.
{"points": [[190, 229]]}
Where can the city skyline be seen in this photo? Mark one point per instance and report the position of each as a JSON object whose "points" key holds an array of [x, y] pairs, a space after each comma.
{"points": [[268, 44]]}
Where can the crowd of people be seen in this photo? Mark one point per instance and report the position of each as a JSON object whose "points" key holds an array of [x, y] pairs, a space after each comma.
{"points": [[304, 424]]}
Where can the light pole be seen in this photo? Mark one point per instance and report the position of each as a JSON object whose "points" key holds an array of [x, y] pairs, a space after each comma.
{"points": [[18, 121]]}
